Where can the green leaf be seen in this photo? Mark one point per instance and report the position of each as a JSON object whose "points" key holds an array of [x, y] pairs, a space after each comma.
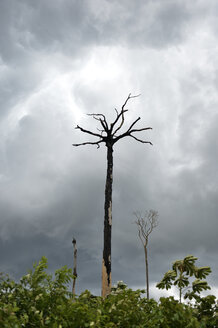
{"points": [[181, 282], [200, 285], [202, 272]]}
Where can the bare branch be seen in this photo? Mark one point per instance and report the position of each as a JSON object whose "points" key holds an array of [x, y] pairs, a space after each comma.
{"points": [[146, 225], [143, 227], [142, 141], [121, 114], [112, 136], [93, 114], [127, 99], [138, 130], [121, 124], [139, 233], [153, 221], [130, 130], [117, 119], [133, 124], [136, 96], [89, 143], [142, 232], [87, 131], [102, 121], [100, 130], [128, 134]]}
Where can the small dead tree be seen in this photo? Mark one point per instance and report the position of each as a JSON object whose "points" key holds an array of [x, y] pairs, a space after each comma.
{"points": [[74, 265], [109, 134], [146, 225]]}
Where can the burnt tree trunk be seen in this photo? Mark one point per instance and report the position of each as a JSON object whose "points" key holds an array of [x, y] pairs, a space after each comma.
{"points": [[106, 261], [109, 134]]}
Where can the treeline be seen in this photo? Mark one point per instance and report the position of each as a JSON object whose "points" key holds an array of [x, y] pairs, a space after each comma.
{"points": [[40, 300]]}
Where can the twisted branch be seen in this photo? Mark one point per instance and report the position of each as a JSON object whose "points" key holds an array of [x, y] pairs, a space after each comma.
{"points": [[87, 131], [89, 143], [140, 140], [110, 135], [123, 110], [103, 122]]}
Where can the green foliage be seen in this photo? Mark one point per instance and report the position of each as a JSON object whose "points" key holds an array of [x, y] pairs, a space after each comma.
{"points": [[176, 314], [39, 300], [180, 274], [166, 282], [207, 311]]}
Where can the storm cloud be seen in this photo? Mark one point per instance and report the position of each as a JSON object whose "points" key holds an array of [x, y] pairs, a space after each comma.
{"points": [[62, 59]]}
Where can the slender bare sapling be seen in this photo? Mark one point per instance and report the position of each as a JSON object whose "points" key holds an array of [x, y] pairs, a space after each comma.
{"points": [[146, 225]]}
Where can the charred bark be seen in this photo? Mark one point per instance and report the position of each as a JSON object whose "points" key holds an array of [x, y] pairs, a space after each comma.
{"points": [[106, 261]]}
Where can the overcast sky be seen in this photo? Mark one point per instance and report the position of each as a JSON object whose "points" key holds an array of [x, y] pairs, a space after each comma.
{"points": [[62, 59]]}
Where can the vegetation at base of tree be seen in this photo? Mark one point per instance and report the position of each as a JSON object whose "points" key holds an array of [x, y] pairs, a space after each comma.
{"points": [[40, 300]]}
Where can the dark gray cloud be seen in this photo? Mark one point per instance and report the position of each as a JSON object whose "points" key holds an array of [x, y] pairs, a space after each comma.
{"points": [[60, 60], [71, 25]]}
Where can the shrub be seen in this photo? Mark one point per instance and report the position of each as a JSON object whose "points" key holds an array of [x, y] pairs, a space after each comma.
{"points": [[40, 301]]}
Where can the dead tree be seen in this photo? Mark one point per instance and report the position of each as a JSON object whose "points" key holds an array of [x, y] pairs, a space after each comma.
{"points": [[74, 265], [110, 134], [145, 226]]}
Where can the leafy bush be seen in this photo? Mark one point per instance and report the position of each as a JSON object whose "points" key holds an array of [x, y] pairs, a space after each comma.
{"points": [[207, 311], [40, 301]]}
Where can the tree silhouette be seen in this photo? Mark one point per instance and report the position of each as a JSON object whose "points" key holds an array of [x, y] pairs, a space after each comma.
{"points": [[109, 134]]}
